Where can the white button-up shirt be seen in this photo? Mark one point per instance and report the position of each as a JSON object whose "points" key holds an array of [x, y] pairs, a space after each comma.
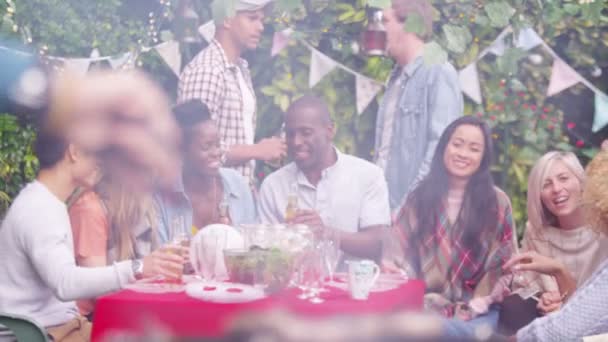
{"points": [[351, 195]]}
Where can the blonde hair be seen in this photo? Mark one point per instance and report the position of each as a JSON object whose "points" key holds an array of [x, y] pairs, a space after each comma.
{"points": [[126, 210], [538, 215], [595, 195]]}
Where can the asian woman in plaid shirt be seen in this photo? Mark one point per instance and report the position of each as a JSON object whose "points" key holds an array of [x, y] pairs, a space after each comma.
{"points": [[456, 227]]}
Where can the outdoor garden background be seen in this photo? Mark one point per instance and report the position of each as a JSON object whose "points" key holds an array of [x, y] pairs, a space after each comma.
{"points": [[526, 122]]}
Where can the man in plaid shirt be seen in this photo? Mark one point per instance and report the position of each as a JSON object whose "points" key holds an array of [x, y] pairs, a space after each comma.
{"points": [[220, 78]]}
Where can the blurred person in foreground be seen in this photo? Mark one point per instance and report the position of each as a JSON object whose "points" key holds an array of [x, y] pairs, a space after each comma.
{"points": [[123, 117], [40, 278]]}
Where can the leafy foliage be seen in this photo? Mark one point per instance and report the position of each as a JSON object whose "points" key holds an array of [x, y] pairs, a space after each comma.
{"points": [[17, 162], [526, 123]]}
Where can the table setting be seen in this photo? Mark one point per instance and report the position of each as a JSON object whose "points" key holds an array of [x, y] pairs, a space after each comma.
{"points": [[254, 268]]}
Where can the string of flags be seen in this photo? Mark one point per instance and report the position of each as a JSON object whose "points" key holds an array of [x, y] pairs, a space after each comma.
{"points": [[563, 76], [169, 51], [320, 65]]}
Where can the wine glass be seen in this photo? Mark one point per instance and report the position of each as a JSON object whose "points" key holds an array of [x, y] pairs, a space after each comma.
{"points": [[315, 276], [208, 256], [331, 257]]}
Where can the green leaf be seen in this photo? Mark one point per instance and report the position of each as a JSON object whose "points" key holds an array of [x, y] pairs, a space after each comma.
{"points": [[379, 3], [571, 9], [507, 63], [287, 5], [457, 37], [434, 54], [482, 20], [499, 13], [415, 24], [517, 85]]}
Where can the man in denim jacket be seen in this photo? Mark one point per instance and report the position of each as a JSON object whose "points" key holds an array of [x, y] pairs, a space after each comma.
{"points": [[420, 101]]}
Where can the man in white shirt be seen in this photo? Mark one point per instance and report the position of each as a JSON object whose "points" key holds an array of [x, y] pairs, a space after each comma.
{"points": [[337, 192], [39, 277]]}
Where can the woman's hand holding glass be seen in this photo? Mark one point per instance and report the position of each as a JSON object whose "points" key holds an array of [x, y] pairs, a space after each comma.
{"points": [[165, 262], [532, 261]]}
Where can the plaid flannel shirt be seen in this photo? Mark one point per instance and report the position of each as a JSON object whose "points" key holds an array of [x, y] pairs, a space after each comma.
{"points": [[451, 275], [211, 78]]}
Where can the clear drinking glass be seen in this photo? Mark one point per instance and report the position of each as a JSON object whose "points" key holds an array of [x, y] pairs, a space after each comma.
{"points": [[315, 279], [208, 256], [331, 257]]}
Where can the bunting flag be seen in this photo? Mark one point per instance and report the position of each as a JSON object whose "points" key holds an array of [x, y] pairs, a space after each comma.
{"points": [[562, 77], [367, 89], [469, 82], [498, 46], [600, 119], [279, 41], [207, 30], [528, 39], [94, 54], [320, 65], [170, 53], [79, 66], [119, 61]]}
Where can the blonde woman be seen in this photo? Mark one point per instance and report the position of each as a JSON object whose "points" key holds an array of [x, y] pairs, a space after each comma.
{"points": [[557, 227], [586, 310], [110, 224]]}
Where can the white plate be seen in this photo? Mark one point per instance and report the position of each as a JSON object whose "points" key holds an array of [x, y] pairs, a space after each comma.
{"points": [[223, 292], [385, 282], [155, 286]]}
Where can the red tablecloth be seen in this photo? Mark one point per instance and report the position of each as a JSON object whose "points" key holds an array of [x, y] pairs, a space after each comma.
{"points": [[133, 312]]}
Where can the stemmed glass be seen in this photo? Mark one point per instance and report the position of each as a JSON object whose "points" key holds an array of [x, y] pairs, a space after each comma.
{"points": [[519, 284], [331, 256], [314, 275], [213, 244]]}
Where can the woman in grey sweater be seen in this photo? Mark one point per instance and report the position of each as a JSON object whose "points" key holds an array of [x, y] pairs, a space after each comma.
{"points": [[586, 310]]}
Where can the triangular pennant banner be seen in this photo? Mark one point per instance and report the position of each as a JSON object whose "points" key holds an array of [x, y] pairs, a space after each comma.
{"points": [[562, 77], [469, 82], [78, 66], [119, 61], [320, 65], [94, 54], [207, 30], [367, 89], [280, 41], [170, 53], [528, 39], [600, 119], [498, 46]]}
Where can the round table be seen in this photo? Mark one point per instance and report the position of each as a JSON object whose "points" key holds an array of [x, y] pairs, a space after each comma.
{"points": [[135, 313]]}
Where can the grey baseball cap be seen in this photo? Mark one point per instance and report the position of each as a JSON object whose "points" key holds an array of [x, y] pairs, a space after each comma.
{"points": [[250, 5]]}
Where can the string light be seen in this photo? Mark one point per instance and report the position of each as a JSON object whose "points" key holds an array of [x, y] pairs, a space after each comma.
{"points": [[154, 24]]}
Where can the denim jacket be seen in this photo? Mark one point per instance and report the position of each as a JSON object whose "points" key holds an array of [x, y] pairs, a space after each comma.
{"points": [[428, 101], [174, 210]]}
